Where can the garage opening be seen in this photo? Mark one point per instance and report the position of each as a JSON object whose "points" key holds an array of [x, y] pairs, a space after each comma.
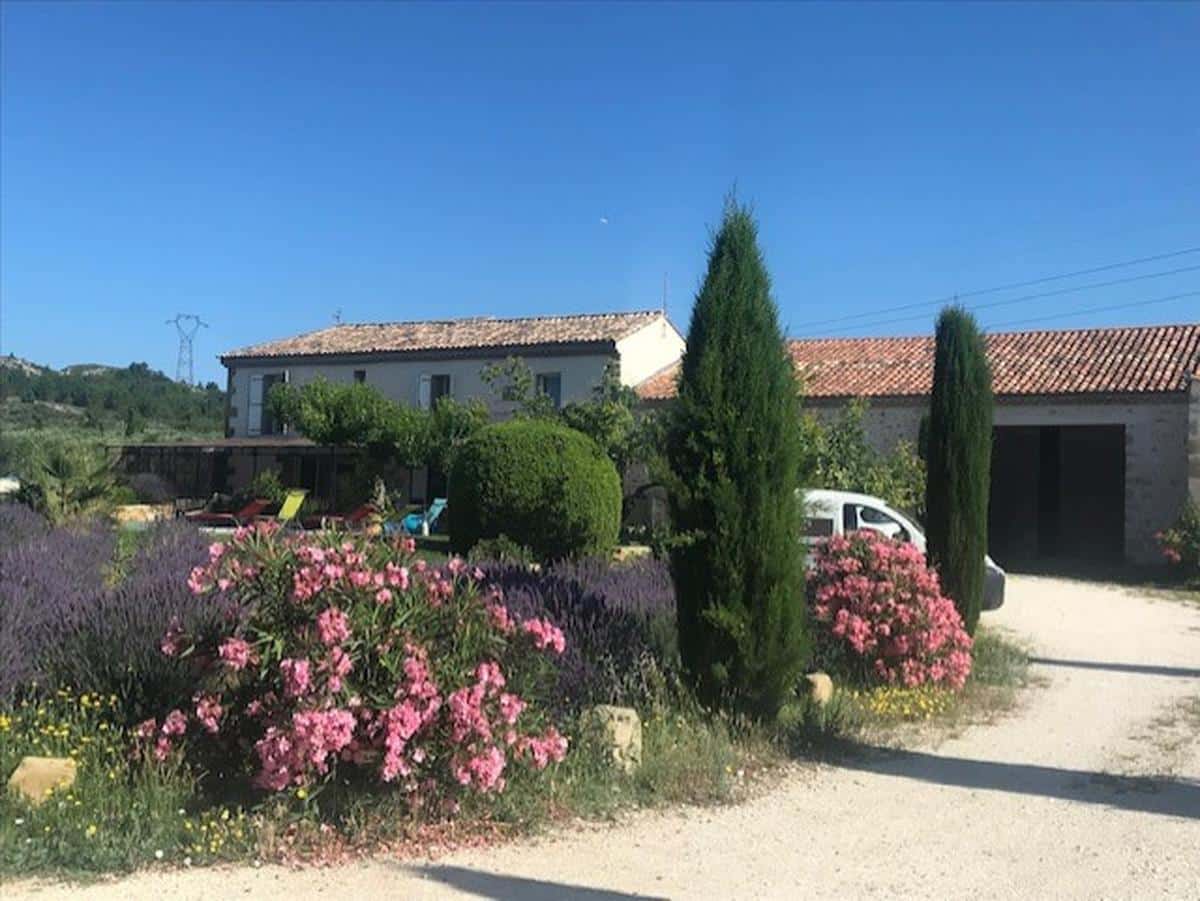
{"points": [[1058, 496]]}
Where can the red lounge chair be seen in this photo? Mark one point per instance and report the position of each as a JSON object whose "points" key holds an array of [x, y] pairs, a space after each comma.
{"points": [[243, 516], [351, 520]]}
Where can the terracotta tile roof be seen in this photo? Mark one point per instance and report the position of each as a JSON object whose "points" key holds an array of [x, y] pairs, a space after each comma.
{"points": [[1138, 360], [453, 334]]}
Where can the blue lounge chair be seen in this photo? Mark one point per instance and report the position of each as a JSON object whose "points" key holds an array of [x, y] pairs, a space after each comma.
{"points": [[414, 521]]}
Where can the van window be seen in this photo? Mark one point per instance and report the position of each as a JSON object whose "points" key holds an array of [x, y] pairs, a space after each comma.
{"points": [[860, 516], [818, 527]]}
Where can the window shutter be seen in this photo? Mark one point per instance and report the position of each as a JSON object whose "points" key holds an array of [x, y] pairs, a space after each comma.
{"points": [[424, 391], [254, 424]]}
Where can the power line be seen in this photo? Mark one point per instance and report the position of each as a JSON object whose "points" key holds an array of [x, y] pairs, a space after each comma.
{"points": [[1102, 309], [1022, 299], [1009, 287]]}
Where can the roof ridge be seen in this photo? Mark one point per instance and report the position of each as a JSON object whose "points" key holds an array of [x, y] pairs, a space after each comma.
{"points": [[541, 317], [1049, 331]]}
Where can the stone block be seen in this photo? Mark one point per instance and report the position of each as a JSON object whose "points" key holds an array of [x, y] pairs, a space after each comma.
{"points": [[621, 728], [34, 777]]}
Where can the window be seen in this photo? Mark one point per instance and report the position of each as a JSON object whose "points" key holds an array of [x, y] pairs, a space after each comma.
{"points": [[439, 387], [818, 527], [360, 375], [550, 384], [431, 388], [260, 421], [860, 516]]}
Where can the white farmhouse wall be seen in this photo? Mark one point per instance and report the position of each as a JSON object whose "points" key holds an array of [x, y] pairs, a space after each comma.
{"points": [[400, 380], [1156, 448], [650, 349]]}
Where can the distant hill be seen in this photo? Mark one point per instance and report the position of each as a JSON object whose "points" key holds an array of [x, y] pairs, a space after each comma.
{"points": [[107, 399], [88, 369], [19, 365]]}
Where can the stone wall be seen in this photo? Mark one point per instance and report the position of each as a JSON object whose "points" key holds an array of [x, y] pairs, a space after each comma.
{"points": [[1194, 439], [1162, 446]]}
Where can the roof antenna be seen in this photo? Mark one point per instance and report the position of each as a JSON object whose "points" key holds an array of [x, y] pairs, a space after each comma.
{"points": [[337, 316], [666, 285]]}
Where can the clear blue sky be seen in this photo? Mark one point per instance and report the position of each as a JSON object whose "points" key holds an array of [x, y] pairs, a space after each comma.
{"points": [[268, 164]]}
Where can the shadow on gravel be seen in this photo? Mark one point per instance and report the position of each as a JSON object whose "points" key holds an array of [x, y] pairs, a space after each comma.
{"points": [[511, 888], [1145, 669], [1168, 797]]}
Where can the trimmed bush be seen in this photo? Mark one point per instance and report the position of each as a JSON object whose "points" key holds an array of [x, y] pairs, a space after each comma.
{"points": [[545, 486], [959, 461]]}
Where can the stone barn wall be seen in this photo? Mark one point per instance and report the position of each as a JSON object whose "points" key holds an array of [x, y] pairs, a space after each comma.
{"points": [[1162, 446]]}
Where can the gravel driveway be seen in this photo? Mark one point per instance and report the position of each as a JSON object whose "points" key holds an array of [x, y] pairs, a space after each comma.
{"points": [[1091, 790]]}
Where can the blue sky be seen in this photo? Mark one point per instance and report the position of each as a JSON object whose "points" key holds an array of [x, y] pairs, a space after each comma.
{"points": [[266, 165]]}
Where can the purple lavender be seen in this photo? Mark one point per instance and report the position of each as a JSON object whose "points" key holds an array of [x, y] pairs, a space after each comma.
{"points": [[618, 619]]}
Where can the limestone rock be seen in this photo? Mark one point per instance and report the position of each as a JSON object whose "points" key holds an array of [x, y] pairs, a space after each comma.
{"points": [[129, 514], [820, 688], [622, 730], [35, 776]]}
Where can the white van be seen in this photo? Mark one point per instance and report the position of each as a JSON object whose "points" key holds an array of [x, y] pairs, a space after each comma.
{"points": [[838, 512]]}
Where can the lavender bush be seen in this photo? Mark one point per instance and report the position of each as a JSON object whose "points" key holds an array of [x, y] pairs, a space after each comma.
{"points": [[63, 625], [19, 523], [619, 621], [44, 578]]}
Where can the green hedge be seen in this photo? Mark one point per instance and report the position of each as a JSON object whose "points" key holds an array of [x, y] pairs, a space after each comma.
{"points": [[541, 484]]}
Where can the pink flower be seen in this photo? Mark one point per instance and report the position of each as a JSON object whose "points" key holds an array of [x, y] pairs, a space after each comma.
{"points": [[175, 723], [511, 707], [197, 581], [545, 634], [551, 747], [146, 728], [236, 653], [483, 770], [383, 596], [296, 677], [208, 712], [332, 626], [173, 640], [338, 666]]}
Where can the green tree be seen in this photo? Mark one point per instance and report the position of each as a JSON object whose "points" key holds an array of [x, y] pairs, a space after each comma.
{"points": [[451, 425], [608, 417], [349, 415], [734, 446], [959, 456], [839, 456], [512, 381]]}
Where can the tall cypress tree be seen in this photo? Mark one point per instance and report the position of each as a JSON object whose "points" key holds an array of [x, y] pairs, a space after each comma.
{"points": [[733, 444], [958, 460]]}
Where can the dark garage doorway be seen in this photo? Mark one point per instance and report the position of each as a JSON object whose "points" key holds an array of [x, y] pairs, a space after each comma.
{"points": [[1058, 496]]}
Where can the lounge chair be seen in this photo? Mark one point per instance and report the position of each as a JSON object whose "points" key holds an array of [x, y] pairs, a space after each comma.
{"points": [[232, 520], [351, 520], [423, 523], [289, 508]]}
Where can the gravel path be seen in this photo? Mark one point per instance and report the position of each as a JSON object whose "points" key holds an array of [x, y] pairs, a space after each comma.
{"points": [[1091, 790]]}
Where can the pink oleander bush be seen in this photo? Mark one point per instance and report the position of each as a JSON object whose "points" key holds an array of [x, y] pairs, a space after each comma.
{"points": [[356, 662], [1180, 544], [880, 616]]}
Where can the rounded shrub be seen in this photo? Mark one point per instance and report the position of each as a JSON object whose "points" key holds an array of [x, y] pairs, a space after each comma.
{"points": [[543, 485]]}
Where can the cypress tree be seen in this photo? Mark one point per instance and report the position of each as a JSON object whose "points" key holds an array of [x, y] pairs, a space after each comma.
{"points": [[958, 459], [733, 445]]}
